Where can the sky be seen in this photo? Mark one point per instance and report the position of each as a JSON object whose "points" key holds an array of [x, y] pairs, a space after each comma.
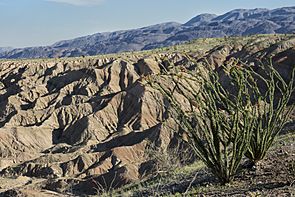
{"points": [[43, 22]]}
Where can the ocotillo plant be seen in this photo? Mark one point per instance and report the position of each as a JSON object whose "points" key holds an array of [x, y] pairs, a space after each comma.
{"points": [[219, 123], [271, 95]]}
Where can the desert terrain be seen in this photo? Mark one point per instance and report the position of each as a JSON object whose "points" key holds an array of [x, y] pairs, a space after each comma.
{"points": [[75, 126]]}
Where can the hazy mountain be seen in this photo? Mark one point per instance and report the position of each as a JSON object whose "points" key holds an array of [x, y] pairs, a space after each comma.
{"points": [[200, 19], [234, 23], [4, 49]]}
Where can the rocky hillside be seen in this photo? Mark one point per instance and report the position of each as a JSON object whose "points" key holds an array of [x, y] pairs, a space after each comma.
{"points": [[67, 125], [234, 23]]}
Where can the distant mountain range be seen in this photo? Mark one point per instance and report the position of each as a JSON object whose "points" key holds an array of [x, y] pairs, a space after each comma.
{"points": [[4, 49], [237, 22]]}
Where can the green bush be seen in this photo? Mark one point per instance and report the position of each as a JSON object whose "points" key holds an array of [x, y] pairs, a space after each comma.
{"points": [[226, 122], [271, 94], [219, 129]]}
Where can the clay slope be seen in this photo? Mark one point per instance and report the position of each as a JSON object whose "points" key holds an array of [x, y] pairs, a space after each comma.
{"points": [[68, 124]]}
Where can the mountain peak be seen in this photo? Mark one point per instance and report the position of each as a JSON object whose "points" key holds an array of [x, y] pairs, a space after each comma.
{"points": [[239, 14], [200, 19]]}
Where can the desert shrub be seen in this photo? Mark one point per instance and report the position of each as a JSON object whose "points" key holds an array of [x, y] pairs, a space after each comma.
{"points": [[271, 95], [218, 123], [225, 122], [167, 161]]}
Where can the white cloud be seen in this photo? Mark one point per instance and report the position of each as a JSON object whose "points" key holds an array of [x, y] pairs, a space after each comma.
{"points": [[79, 2]]}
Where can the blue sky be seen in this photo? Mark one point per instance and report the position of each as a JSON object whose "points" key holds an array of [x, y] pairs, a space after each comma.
{"points": [[43, 22]]}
